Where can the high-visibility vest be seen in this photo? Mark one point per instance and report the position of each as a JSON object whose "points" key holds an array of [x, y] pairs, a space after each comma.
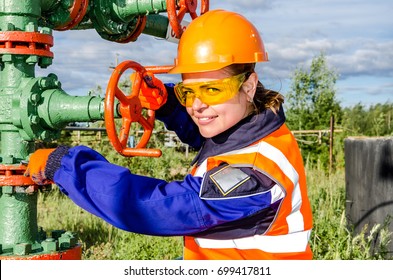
{"points": [[276, 155]]}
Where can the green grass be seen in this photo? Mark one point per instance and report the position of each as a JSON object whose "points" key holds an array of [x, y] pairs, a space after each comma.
{"points": [[331, 237], [99, 239]]}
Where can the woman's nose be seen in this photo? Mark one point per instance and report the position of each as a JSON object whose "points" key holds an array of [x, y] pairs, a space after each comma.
{"points": [[197, 104]]}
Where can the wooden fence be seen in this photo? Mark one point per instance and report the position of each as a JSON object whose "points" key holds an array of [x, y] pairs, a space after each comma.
{"points": [[97, 135]]}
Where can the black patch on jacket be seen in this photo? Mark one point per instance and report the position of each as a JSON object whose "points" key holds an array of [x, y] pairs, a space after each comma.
{"points": [[255, 224]]}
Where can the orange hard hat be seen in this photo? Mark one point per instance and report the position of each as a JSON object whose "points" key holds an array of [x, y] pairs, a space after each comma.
{"points": [[217, 39]]}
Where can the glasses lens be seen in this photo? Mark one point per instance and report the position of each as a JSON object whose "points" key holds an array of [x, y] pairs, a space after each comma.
{"points": [[180, 94], [211, 92]]}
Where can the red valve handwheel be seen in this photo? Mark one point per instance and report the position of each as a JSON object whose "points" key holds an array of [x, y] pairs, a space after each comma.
{"points": [[185, 6], [130, 110]]}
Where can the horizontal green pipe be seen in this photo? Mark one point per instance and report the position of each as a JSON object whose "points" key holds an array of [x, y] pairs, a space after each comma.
{"points": [[156, 25], [59, 108], [126, 10]]}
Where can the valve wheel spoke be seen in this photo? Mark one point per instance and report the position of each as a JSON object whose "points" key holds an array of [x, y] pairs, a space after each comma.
{"points": [[124, 132], [185, 6]]}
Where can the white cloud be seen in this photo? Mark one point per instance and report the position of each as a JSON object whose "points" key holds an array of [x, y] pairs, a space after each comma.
{"points": [[356, 37]]}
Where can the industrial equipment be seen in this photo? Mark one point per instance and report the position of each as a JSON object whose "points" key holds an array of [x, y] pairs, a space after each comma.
{"points": [[37, 108]]}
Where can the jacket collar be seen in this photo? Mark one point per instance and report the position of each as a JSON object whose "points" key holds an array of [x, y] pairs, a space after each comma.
{"points": [[243, 134]]}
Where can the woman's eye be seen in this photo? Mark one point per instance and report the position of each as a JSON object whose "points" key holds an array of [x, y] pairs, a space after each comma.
{"points": [[187, 92], [213, 90]]}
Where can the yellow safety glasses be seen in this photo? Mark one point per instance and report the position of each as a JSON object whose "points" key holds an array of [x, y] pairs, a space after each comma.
{"points": [[211, 92]]}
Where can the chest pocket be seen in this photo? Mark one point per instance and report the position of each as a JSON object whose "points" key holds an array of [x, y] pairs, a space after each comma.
{"points": [[226, 181]]}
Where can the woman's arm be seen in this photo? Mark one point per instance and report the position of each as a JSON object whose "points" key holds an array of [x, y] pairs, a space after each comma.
{"points": [[148, 205]]}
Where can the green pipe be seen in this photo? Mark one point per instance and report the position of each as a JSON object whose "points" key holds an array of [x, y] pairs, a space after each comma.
{"points": [[18, 218], [14, 70], [118, 20], [15, 15], [156, 25], [126, 10], [13, 148], [113, 20], [50, 5], [58, 108]]}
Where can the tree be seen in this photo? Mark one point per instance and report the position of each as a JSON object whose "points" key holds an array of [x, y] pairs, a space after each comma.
{"points": [[310, 104], [375, 120]]}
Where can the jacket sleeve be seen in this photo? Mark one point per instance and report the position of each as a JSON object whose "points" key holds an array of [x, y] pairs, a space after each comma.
{"points": [[142, 204], [176, 118]]}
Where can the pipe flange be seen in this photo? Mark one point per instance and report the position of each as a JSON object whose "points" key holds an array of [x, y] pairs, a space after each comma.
{"points": [[12, 175], [113, 28], [31, 125], [64, 15], [26, 43], [77, 13]]}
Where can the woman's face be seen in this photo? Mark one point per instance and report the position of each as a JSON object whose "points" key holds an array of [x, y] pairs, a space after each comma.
{"points": [[215, 119]]}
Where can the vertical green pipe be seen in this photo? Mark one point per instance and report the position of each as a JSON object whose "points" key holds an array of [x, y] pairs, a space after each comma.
{"points": [[14, 70], [13, 147], [13, 74], [18, 218], [18, 209], [15, 15]]}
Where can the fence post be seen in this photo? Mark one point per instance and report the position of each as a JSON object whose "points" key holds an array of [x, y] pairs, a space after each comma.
{"points": [[331, 144]]}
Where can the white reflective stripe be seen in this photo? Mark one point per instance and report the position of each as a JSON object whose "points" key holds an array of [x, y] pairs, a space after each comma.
{"points": [[289, 243], [280, 159], [277, 193], [295, 219], [201, 169]]}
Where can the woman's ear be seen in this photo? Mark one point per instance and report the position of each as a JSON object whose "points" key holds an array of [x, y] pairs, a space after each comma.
{"points": [[250, 86]]}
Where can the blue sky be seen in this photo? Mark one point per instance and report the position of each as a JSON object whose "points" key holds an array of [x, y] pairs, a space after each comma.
{"points": [[356, 37]]}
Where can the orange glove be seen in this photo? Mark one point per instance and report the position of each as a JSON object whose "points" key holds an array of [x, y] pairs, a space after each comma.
{"points": [[36, 167], [153, 93]]}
